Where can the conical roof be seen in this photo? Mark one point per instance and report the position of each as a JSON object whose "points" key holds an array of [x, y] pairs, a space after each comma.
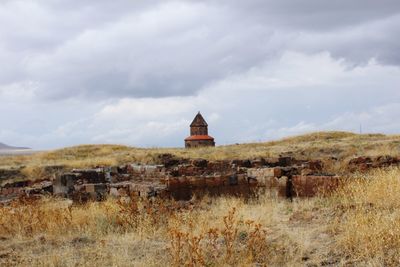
{"points": [[198, 121]]}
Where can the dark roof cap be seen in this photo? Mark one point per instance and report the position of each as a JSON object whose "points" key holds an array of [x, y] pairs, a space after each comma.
{"points": [[198, 121]]}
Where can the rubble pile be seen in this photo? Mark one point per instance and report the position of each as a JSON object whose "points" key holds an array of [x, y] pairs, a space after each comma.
{"points": [[182, 179], [25, 188], [366, 163]]}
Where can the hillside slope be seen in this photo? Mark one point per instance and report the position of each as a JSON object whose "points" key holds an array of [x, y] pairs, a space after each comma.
{"points": [[322, 145]]}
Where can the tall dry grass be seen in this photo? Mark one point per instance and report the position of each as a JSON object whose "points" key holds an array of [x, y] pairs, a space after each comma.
{"points": [[358, 225], [211, 232], [369, 230]]}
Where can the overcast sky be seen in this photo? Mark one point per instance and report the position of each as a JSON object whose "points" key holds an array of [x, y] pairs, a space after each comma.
{"points": [[136, 72]]}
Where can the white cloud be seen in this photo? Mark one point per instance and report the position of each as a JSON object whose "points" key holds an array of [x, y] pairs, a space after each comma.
{"points": [[263, 111], [146, 108], [18, 91]]}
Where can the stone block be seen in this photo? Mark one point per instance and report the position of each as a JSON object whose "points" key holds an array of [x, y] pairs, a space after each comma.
{"points": [[271, 162], [273, 172], [201, 163], [252, 181], [309, 186], [233, 179], [242, 179], [241, 163], [172, 182], [258, 163], [262, 173], [63, 185], [268, 181], [92, 176], [183, 181], [197, 182], [285, 161], [90, 188], [211, 182], [114, 192], [284, 187], [90, 191]]}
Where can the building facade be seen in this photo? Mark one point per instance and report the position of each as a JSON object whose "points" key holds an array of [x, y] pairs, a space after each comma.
{"points": [[199, 133]]}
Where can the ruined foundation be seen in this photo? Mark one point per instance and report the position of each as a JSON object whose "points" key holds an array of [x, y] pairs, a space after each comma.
{"points": [[183, 179]]}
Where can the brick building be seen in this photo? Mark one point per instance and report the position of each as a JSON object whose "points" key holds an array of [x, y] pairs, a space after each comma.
{"points": [[199, 133]]}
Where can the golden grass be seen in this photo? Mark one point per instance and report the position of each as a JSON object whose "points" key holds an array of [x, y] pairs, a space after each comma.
{"points": [[370, 231], [212, 232], [358, 225]]}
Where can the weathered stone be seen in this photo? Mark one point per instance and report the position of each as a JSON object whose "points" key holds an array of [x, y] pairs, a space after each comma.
{"points": [[184, 180], [197, 182], [17, 184], [63, 185], [385, 161], [114, 192], [284, 187], [91, 175], [257, 163], [201, 163], [241, 163], [366, 163], [39, 188], [271, 162], [315, 165], [309, 186], [233, 179], [285, 161], [8, 174], [87, 192], [169, 160]]}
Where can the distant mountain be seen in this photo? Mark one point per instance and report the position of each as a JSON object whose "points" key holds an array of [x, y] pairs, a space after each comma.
{"points": [[7, 147]]}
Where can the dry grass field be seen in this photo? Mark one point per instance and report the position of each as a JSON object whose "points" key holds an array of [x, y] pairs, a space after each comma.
{"points": [[359, 225]]}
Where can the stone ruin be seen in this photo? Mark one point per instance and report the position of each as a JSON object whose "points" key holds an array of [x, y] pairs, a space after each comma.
{"points": [[182, 179]]}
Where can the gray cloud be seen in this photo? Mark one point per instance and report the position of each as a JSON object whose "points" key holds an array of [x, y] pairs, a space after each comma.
{"points": [[317, 15], [102, 49], [118, 71]]}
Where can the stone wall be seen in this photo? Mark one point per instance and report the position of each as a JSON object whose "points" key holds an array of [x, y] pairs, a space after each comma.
{"points": [[311, 185], [25, 188], [182, 179], [367, 163]]}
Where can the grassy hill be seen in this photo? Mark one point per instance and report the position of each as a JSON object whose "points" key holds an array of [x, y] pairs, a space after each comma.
{"points": [[320, 145], [335, 149]]}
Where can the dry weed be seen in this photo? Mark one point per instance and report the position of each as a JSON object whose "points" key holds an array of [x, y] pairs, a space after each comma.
{"points": [[370, 228]]}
